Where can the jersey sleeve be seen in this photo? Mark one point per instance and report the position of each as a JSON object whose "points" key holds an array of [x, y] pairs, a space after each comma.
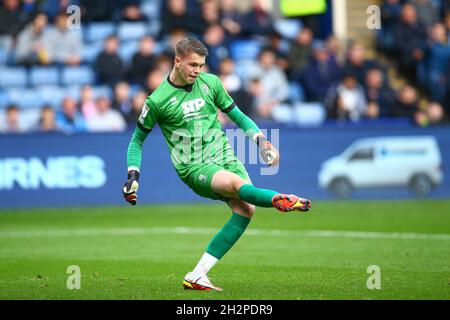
{"points": [[222, 99], [149, 116]]}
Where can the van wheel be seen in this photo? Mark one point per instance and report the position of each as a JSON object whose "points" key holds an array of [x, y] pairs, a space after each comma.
{"points": [[341, 187], [421, 185]]}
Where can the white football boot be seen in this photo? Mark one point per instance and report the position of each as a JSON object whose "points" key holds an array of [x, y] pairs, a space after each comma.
{"points": [[198, 282]]}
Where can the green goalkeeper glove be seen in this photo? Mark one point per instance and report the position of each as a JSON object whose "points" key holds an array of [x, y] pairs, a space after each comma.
{"points": [[131, 187]]}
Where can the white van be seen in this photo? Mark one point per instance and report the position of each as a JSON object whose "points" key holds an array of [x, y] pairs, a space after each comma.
{"points": [[414, 162]]}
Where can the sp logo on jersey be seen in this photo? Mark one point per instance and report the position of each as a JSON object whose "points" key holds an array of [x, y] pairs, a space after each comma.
{"points": [[192, 107]]}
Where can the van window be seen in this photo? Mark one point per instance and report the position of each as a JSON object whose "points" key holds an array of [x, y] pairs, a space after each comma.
{"points": [[362, 154]]}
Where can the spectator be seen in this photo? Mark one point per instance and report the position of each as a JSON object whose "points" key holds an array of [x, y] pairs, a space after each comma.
{"points": [[410, 39], [390, 13], [69, 119], [379, 96], [10, 23], [346, 100], [109, 65], [47, 120], [210, 14], [435, 113], [320, 74], [437, 62], [175, 16], [154, 79], [214, 39], [281, 46], [137, 102], [257, 21], [62, 44], [406, 103], [106, 119], [122, 99], [274, 87], [13, 122], [234, 86], [231, 19], [96, 10], [87, 102], [427, 11], [30, 47], [131, 12], [301, 52], [357, 64], [143, 61]]}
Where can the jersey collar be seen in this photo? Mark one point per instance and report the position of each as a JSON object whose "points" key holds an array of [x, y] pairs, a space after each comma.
{"points": [[187, 88]]}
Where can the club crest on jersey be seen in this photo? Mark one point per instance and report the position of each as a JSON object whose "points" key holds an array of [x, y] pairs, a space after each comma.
{"points": [[205, 89], [192, 107]]}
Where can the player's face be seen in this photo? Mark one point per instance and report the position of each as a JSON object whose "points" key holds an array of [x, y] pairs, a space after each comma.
{"points": [[189, 67]]}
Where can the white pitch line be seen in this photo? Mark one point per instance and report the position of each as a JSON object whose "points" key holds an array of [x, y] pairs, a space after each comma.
{"points": [[250, 232]]}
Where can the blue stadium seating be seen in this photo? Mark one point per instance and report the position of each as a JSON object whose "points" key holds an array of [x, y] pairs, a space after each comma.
{"points": [[98, 31], [245, 49], [80, 75], [25, 98], [296, 92], [4, 99], [102, 91], [13, 77], [131, 30], [90, 52], [44, 76], [51, 95], [288, 28], [127, 50]]}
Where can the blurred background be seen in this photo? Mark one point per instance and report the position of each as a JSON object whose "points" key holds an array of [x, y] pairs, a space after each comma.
{"points": [[75, 74]]}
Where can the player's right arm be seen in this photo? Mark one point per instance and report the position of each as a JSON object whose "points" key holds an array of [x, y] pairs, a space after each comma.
{"points": [[147, 120]]}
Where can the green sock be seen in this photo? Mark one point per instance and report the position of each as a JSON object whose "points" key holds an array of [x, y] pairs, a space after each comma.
{"points": [[228, 235], [256, 196]]}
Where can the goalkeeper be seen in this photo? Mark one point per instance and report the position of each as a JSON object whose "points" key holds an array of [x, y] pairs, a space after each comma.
{"points": [[185, 106]]}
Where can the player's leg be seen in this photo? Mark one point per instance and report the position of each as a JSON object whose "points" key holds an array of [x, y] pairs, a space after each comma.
{"points": [[230, 185], [222, 242]]}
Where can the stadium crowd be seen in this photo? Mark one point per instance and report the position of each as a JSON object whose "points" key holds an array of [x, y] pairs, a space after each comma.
{"points": [[57, 77]]}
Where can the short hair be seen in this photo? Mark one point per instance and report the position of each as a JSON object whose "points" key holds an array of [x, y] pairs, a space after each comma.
{"points": [[190, 45]]}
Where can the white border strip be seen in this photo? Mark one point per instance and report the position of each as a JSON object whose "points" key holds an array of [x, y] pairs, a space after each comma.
{"points": [[211, 231]]}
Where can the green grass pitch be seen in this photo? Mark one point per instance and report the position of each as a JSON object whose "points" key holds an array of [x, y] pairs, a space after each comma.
{"points": [[143, 252]]}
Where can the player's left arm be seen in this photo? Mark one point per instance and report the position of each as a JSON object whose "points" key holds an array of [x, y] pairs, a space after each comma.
{"points": [[225, 103], [268, 152]]}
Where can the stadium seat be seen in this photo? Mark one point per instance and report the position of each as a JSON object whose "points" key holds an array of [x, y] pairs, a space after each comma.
{"points": [[151, 8], [296, 92], [99, 31], [13, 77], [246, 69], [131, 31], [102, 91], [44, 76], [4, 99], [127, 50], [90, 52], [245, 49], [73, 92], [3, 56], [80, 75], [25, 98], [288, 28], [51, 95], [309, 114]]}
